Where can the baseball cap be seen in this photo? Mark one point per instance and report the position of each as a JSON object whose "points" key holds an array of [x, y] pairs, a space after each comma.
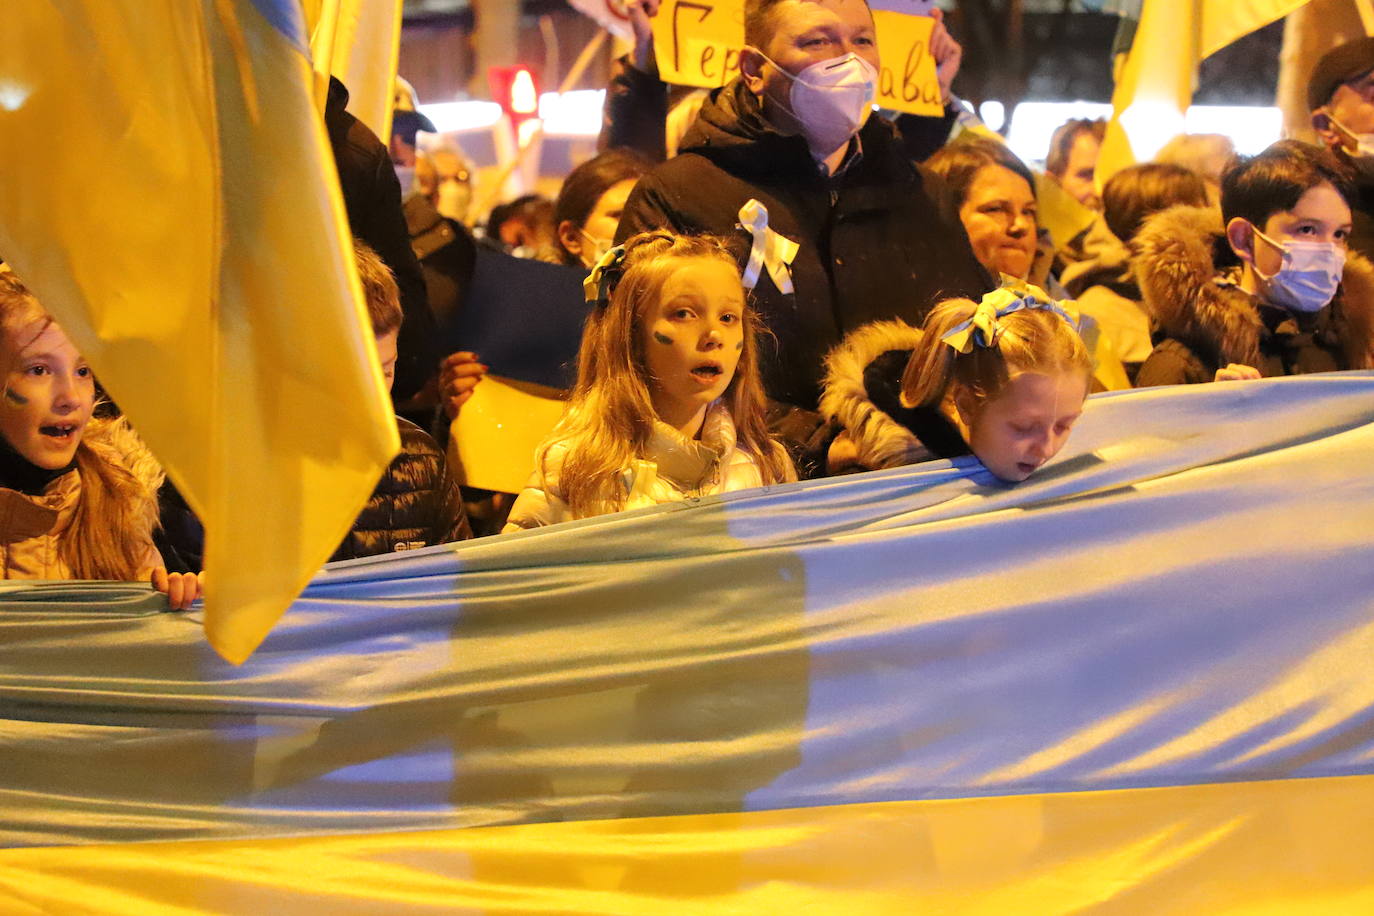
{"points": [[1339, 65], [405, 111]]}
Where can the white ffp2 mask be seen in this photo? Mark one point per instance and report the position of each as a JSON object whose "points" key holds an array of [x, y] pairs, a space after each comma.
{"points": [[831, 100]]}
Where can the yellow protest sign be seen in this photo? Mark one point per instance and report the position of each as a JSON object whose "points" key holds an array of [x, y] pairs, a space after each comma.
{"points": [[697, 43], [907, 81], [492, 442]]}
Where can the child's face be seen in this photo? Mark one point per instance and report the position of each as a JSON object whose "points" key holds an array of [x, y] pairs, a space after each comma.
{"points": [[1027, 423], [1321, 215], [386, 353], [48, 396], [692, 337]]}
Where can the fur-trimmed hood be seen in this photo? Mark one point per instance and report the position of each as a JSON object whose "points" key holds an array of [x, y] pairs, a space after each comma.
{"points": [[116, 441], [35, 528], [1177, 256], [881, 441]]}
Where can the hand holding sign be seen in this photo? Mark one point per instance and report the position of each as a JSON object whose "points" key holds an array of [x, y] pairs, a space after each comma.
{"points": [[698, 43]]}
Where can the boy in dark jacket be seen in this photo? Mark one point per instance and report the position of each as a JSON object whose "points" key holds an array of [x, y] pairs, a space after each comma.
{"points": [[1272, 289], [417, 503]]}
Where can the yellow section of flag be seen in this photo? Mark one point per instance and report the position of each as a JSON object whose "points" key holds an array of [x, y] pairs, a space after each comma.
{"points": [[188, 233], [1287, 846], [1155, 82], [358, 41]]}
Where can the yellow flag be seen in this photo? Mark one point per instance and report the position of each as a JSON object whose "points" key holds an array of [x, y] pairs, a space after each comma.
{"points": [[1155, 82], [169, 195], [359, 41]]}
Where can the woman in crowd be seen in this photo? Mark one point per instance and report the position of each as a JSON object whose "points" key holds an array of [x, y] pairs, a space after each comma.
{"points": [[1003, 380], [588, 208], [668, 402], [995, 194], [78, 492]]}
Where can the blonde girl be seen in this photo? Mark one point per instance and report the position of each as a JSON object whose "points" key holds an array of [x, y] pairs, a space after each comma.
{"points": [[77, 492], [668, 402], [1003, 380]]}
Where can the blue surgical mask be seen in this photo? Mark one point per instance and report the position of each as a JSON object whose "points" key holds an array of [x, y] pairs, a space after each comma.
{"points": [[1308, 277]]}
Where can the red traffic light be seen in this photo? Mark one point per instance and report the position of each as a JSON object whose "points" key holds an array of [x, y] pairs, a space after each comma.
{"points": [[515, 90]]}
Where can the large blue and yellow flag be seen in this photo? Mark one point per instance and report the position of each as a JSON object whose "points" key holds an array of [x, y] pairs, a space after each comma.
{"points": [[1155, 80], [169, 194], [1139, 682]]}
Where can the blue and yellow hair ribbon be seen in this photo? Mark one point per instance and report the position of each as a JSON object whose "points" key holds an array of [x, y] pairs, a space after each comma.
{"points": [[983, 328]]}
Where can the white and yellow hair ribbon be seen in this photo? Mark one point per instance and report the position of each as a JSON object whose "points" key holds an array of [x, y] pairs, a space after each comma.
{"points": [[770, 250]]}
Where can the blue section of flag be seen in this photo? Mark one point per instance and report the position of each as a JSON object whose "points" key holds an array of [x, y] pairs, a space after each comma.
{"points": [[287, 17]]}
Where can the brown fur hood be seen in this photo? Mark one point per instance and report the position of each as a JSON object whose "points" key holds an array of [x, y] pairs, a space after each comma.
{"points": [[1176, 258], [881, 441], [115, 441]]}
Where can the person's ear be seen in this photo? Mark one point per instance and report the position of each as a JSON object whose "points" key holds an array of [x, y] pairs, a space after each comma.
{"points": [[965, 408], [570, 238], [751, 64], [1240, 235]]}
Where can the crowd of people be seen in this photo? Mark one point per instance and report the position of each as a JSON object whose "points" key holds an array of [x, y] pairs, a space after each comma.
{"points": [[781, 283]]}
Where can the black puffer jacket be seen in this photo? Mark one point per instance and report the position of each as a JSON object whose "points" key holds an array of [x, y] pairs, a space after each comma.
{"points": [[372, 196], [417, 503], [879, 240]]}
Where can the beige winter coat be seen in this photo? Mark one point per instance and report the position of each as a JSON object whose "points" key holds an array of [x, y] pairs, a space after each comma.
{"points": [[673, 468], [33, 528]]}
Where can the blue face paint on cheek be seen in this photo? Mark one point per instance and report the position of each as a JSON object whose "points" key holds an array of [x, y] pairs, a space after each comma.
{"points": [[18, 400], [663, 339]]}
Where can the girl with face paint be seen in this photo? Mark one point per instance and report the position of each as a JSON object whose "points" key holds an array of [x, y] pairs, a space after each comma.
{"points": [[77, 493], [668, 402]]}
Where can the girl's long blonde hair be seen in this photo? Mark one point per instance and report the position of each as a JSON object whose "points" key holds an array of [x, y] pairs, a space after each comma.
{"points": [[610, 416], [1028, 340], [111, 529]]}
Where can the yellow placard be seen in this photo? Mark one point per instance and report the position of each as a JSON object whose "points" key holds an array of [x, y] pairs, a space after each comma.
{"points": [[492, 443], [907, 81], [697, 43]]}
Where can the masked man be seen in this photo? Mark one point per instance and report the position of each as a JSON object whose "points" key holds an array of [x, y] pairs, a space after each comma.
{"points": [[1340, 95]]}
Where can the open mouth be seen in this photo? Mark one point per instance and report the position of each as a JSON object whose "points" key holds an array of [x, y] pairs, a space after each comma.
{"points": [[62, 432], [1026, 467], [708, 372]]}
